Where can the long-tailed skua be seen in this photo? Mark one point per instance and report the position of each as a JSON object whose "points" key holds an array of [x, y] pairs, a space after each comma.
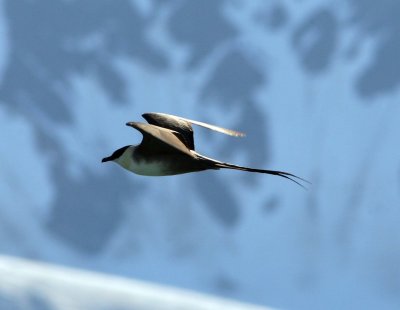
{"points": [[168, 148]]}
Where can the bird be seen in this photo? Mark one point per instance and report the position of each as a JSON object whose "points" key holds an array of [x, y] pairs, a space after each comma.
{"points": [[167, 148]]}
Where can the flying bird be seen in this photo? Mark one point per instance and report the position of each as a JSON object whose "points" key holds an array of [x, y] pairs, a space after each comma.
{"points": [[168, 148]]}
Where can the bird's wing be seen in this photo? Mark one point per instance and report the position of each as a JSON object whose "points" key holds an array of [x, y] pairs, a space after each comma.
{"points": [[162, 139], [184, 126], [173, 123], [226, 131]]}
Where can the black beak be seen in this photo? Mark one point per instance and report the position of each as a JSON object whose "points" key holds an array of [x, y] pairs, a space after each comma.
{"points": [[105, 159]]}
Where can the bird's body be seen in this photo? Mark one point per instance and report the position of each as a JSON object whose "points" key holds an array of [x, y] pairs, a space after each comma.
{"points": [[167, 148], [141, 167], [140, 162]]}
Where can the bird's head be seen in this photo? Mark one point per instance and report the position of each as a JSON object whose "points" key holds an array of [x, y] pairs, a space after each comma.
{"points": [[116, 155]]}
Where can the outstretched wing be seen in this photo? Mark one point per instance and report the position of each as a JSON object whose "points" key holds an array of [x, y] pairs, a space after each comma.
{"points": [[226, 131], [173, 123], [184, 126], [160, 139]]}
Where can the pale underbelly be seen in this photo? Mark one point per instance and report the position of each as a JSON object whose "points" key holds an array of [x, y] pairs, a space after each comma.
{"points": [[162, 169], [149, 168]]}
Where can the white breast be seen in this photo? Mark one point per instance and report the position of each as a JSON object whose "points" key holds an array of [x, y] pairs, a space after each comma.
{"points": [[146, 168], [140, 167]]}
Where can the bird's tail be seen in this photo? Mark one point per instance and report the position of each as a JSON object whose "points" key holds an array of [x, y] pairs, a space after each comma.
{"points": [[218, 165]]}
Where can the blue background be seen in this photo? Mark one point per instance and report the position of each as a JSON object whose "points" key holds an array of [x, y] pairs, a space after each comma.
{"points": [[314, 84]]}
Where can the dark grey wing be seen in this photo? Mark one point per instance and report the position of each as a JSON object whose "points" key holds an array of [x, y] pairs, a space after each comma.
{"points": [[161, 139], [184, 126], [174, 123]]}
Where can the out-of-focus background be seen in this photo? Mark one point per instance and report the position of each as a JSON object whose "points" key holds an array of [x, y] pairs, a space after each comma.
{"points": [[314, 84]]}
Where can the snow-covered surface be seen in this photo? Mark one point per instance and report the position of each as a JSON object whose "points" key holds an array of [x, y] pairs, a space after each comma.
{"points": [[32, 285], [313, 84]]}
